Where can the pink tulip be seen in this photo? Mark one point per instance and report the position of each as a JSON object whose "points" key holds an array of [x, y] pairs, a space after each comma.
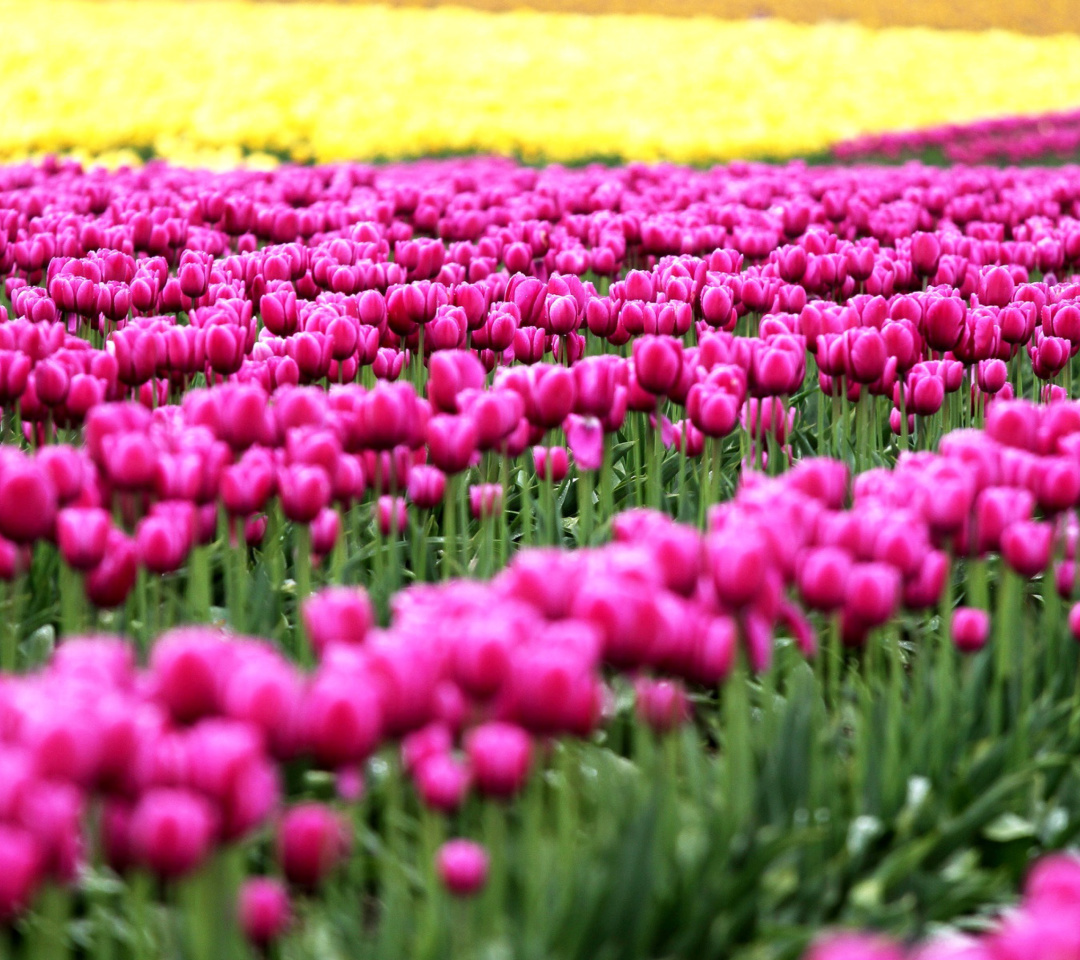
{"points": [[462, 866]]}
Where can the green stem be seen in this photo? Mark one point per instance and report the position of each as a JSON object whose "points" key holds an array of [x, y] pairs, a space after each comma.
{"points": [[607, 482], [199, 584], [302, 560], [504, 514], [71, 601], [585, 506], [9, 651], [547, 487], [495, 840], [449, 556]]}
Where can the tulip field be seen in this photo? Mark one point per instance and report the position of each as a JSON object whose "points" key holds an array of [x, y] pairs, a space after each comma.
{"points": [[409, 551]]}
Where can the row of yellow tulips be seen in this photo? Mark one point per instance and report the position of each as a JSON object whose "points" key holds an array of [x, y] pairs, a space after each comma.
{"points": [[332, 81]]}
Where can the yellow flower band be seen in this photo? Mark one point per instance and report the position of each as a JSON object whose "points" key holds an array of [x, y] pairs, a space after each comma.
{"points": [[197, 80]]}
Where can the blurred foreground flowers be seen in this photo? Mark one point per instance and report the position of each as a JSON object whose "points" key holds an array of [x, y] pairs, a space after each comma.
{"points": [[209, 81]]}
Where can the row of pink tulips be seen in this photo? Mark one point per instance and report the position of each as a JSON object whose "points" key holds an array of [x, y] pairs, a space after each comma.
{"points": [[190, 753], [906, 289], [1023, 139]]}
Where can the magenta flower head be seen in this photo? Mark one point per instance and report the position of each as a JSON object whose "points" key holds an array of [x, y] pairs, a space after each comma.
{"points": [[997, 287], [1054, 884], [82, 535], [551, 463], [194, 278], [925, 253], [970, 629], [312, 841], [337, 615], [662, 704], [109, 583], [450, 372], [51, 382], [865, 354], [873, 593], [500, 755], [854, 946], [185, 670], [22, 869], [991, 375], [325, 529], [28, 500], [304, 490], [777, 369], [822, 577], [944, 322], [596, 379], [1074, 621], [1026, 546], [712, 409], [264, 909], [162, 542], [426, 486], [717, 307], [451, 442], [342, 718], [462, 866], [442, 782], [585, 438], [485, 500], [172, 830], [392, 515], [924, 590], [738, 559], [549, 393], [657, 362]]}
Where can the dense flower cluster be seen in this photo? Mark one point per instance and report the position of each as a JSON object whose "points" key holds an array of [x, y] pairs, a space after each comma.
{"points": [[1009, 139], [287, 81], [233, 397], [193, 752], [242, 297]]}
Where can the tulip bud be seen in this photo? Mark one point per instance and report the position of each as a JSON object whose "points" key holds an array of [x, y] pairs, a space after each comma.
{"points": [[337, 615], [28, 500], [1026, 546], [304, 491], [485, 500], [657, 363], [109, 583], [442, 782], [312, 841], [82, 536], [172, 830], [426, 486], [500, 755], [264, 910], [873, 593], [551, 463], [462, 866], [662, 704], [343, 719], [970, 629], [822, 578]]}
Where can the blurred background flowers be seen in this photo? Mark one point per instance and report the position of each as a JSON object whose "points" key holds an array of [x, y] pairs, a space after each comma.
{"points": [[214, 81]]}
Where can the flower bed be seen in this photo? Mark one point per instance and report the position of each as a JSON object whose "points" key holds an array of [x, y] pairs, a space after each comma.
{"points": [[542, 561]]}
